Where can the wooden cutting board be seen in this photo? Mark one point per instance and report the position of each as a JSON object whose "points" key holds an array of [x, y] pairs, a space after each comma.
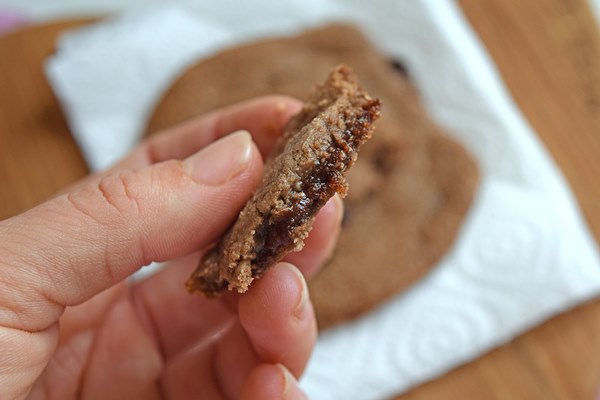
{"points": [[548, 52]]}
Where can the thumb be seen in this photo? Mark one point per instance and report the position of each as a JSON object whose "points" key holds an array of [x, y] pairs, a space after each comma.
{"points": [[70, 248]]}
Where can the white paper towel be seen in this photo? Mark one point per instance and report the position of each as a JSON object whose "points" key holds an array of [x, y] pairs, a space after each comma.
{"points": [[524, 253]]}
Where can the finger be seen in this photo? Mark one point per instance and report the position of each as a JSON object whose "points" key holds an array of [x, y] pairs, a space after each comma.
{"points": [[321, 241], [263, 117], [269, 312], [278, 318], [271, 381], [68, 249], [277, 325], [124, 363]]}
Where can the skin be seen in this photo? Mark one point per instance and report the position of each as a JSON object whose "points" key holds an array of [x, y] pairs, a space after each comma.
{"points": [[71, 326]]}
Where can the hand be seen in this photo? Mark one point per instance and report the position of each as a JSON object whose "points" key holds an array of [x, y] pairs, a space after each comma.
{"points": [[71, 327]]}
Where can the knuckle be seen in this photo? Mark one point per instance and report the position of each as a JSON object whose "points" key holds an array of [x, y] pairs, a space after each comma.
{"points": [[120, 192], [127, 192]]}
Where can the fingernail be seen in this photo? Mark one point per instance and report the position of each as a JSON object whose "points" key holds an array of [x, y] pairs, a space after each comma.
{"points": [[338, 203], [290, 389], [286, 377], [222, 160], [302, 304]]}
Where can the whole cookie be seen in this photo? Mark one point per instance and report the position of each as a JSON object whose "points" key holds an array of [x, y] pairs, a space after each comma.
{"points": [[409, 191]]}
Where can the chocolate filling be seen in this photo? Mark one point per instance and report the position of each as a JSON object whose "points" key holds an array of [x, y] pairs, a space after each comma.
{"points": [[275, 235]]}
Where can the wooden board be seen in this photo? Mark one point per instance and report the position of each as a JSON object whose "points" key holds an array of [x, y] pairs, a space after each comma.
{"points": [[548, 52], [37, 153]]}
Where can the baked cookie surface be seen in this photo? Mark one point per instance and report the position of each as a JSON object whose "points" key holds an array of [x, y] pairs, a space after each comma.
{"points": [[409, 190], [308, 166]]}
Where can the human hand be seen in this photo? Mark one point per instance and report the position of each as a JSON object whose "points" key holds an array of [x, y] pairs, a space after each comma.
{"points": [[71, 327]]}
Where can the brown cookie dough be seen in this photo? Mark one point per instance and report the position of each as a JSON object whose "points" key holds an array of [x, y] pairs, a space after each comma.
{"points": [[318, 146], [409, 191]]}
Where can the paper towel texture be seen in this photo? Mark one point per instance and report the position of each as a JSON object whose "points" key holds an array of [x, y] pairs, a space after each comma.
{"points": [[524, 253]]}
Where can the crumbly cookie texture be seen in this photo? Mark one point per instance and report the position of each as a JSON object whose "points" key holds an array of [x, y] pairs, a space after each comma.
{"points": [[306, 169]]}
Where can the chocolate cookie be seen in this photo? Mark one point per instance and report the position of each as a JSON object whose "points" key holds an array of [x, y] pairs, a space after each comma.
{"points": [[409, 191], [318, 146]]}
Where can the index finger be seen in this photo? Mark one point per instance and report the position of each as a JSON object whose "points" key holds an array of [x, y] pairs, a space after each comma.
{"points": [[264, 117]]}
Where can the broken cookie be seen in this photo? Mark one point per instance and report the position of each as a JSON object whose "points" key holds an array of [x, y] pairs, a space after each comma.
{"points": [[306, 169]]}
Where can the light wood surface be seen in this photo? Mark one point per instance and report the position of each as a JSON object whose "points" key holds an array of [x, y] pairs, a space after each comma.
{"points": [[548, 52], [37, 153]]}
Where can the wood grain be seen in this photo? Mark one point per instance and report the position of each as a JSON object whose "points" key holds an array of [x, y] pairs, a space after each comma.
{"points": [[37, 153], [548, 52]]}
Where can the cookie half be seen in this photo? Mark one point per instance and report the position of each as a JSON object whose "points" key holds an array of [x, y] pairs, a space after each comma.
{"points": [[306, 169]]}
